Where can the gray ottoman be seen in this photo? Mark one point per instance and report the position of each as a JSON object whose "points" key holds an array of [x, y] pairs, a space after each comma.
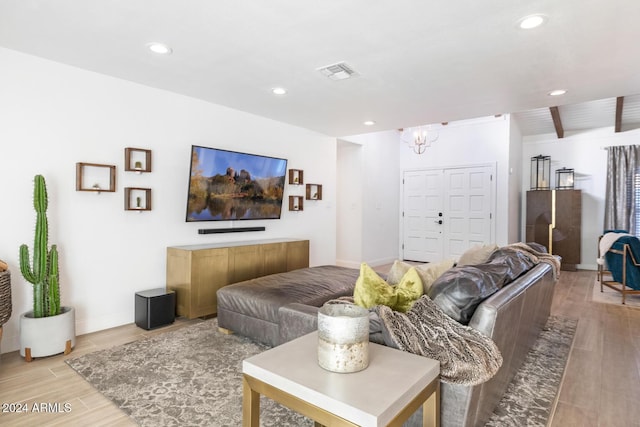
{"points": [[250, 308]]}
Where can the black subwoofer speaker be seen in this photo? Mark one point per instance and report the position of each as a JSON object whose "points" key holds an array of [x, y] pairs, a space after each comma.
{"points": [[155, 308]]}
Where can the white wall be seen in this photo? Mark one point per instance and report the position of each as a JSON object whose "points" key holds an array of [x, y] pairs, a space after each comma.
{"points": [[515, 182], [582, 151], [467, 143], [368, 213], [52, 116], [381, 198], [349, 207]]}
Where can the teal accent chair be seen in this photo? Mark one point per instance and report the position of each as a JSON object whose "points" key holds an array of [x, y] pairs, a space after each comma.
{"points": [[623, 262]]}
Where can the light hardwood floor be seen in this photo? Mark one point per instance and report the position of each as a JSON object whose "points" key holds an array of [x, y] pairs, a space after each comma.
{"points": [[602, 380], [600, 386], [50, 380]]}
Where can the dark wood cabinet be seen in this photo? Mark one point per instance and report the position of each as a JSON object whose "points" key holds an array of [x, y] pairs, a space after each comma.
{"points": [[556, 225]]}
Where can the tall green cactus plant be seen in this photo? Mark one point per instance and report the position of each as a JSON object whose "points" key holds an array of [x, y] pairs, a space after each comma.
{"points": [[43, 274]]}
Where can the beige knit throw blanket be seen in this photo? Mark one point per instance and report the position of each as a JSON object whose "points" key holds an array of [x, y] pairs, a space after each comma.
{"points": [[536, 257], [466, 356]]}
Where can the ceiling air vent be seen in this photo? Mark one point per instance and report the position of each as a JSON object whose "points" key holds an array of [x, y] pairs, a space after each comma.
{"points": [[339, 71]]}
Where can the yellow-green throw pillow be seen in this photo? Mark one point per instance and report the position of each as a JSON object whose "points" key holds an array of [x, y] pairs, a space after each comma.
{"points": [[408, 290], [372, 290]]}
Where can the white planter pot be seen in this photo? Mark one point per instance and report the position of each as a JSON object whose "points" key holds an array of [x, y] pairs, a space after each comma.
{"points": [[46, 336]]}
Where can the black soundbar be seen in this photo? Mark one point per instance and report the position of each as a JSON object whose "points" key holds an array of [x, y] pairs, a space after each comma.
{"points": [[228, 230]]}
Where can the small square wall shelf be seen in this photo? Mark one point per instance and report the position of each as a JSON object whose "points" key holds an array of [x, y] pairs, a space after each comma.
{"points": [[296, 177], [137, 160], [314, 192], [137, 199], [296, 203], [95, 177]]}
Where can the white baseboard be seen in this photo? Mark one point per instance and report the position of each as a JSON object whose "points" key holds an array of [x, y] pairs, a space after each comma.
{"points": [[372, 263], [10, 342], [347, 264], [11, 335], [382, 261], [86, 326]]}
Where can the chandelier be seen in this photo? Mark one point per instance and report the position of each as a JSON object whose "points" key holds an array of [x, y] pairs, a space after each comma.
{"points": [[419, 138]]}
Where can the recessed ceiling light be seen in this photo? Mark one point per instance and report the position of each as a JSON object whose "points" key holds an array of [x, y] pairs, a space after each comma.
{"points": [[279, 91], [557, 92], [531, 21], [159, 48], [369, 123]]}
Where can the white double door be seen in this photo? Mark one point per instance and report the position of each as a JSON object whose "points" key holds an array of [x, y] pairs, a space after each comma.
{"points": [[446, 211]]}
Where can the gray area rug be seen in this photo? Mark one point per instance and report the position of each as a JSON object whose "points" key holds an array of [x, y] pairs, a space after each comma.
{"points": [[188, 377], [533, 391], [192, 377]]}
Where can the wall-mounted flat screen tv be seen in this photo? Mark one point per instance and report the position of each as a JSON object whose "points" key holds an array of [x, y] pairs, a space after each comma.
{"points": [[228, 185]]}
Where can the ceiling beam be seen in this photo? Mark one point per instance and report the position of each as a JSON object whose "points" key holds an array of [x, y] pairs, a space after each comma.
{"points": [[555, 115], [619, 103]]}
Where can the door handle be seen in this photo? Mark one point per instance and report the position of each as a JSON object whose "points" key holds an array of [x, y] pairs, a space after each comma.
{"points": [[438, 221]]}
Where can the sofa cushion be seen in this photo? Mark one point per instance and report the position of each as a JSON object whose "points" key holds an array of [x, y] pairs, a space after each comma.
{"points": [[372, 290], [397, 271], [477, 254], [459, 290], [428, 272], [431, 271]]}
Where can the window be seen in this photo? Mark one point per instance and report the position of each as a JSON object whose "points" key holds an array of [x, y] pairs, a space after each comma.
{"points": [[633, 197]]}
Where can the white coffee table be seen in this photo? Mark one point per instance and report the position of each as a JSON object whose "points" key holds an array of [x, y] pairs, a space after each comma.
{"points": [[387, 392]]}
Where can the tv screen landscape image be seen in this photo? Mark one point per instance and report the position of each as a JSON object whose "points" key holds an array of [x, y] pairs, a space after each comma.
{"points": [[228, 185]]}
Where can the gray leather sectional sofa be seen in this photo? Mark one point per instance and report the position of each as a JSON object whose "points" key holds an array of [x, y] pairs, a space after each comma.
{"points": [[284, 306]]}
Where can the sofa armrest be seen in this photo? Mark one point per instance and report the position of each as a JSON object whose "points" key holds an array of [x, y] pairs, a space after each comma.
{"points": [[296, 320]]}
